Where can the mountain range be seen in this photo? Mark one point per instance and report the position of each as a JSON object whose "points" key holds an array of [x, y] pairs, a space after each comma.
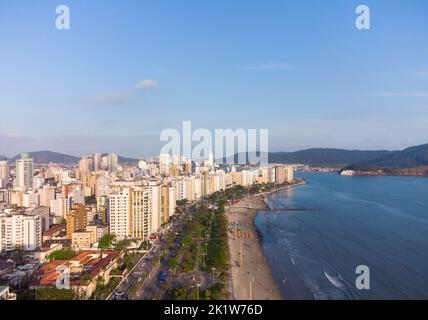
{"points": [[327, 157], [408, 158], [353, 159]]}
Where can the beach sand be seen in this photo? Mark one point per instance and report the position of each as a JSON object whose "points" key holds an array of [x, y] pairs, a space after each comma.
{"points": [[253, 279]]}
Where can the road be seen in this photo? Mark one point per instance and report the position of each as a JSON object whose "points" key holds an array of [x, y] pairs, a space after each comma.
{"points": [[152, 288], [150, 265]]}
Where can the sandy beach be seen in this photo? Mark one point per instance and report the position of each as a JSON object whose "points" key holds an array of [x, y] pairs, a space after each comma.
{"points": [[251, 273]]}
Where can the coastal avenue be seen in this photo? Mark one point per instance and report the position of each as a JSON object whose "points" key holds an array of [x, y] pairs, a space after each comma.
{"points": [[149, 265]]}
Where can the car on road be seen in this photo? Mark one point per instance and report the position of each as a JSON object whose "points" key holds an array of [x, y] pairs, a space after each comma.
{"points": [[162, 277]]}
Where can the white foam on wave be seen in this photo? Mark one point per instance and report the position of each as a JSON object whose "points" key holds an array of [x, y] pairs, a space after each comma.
{"points": [[336, 281]]}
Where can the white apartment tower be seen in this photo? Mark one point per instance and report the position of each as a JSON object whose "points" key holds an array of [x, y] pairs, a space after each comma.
{"points": [[131, 213], [4, 173], [20, 230], [141, 217], [112, 162], [155, 192], [120, 213], [96, 161]]}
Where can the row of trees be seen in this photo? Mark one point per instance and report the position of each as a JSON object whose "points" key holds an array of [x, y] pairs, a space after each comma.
{"points": [[206, 241]]}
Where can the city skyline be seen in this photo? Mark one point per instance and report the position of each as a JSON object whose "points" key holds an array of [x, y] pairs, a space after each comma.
{"points": [[217, 153], [121, 75]]}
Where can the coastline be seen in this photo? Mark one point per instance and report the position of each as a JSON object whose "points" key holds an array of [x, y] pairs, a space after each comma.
{"points": [[253, 279]]}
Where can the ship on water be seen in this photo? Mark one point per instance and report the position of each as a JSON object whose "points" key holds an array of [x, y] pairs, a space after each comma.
{"points": [[347, 173]]}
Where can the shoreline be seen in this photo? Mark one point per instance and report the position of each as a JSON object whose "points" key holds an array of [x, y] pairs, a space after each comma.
{"points": [[253, 279]]}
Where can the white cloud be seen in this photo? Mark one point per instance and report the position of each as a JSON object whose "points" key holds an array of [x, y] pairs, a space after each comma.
{"points": [[271, 66], [146, 84]]}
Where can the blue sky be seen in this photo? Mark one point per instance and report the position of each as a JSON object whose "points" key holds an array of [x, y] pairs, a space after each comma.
{"points": [[298, 68]]}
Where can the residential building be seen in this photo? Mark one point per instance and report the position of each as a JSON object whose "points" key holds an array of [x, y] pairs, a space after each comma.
{"points": [[4, 173], [24, 172], [76, 219], [20, 230]]}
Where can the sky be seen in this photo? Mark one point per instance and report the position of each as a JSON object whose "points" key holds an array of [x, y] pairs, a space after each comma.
{"points": [[126, 70]]}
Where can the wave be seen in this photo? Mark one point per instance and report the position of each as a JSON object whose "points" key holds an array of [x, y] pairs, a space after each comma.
{"points": [[336, 281]]}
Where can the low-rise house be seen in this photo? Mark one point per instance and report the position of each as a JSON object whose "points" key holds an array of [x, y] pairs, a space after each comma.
{"points": [[82, 239], [81, 272], [57, 231]]}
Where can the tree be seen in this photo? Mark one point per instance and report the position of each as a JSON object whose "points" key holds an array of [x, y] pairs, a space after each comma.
{"points": [[106, 241], [86, 278], [172, 263], [123, 245], [52, 293], [65, 254], [182, 202], [180, 293]]}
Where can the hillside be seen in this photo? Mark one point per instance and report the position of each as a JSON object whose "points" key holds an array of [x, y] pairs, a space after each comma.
{"points": [[408, 158], [325, 157], [48, 157], [55, 157], [125, 160]]}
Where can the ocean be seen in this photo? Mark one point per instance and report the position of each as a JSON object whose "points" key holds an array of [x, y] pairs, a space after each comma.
{"points": [[380, 222]]}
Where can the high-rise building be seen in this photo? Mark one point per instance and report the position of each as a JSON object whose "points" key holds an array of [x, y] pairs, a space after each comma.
{"points": [[58, 208], [30, 199], [165, 203], [102, 186], [155, 192], [76, 219], [164, 162], [96, 161], [24, 172], [46, 195], [171, 201], [102, 209], [104, 163], [20, 231], [130, 213], [112, 162], [120, 213], [290, 174], [85, 164], [141, 213], [280, 174], [4, 173]]}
